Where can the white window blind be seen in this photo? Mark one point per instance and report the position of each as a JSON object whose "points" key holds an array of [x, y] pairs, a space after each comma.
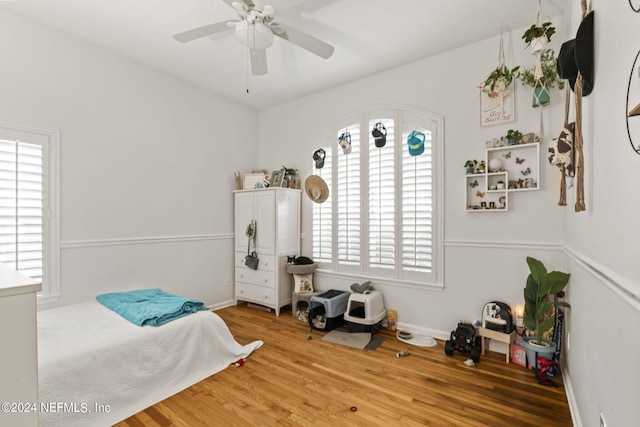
{"points": [[21, 207], [380, 218], [29, 239], [382, 182], [417, 207], [323, 215], [348, 199]]}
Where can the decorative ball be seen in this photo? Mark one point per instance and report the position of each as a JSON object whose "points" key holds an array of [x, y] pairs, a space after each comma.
{"points": [[495, 164]]}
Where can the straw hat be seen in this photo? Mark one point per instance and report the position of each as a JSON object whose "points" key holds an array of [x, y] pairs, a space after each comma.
{"points": [[316, 188]]}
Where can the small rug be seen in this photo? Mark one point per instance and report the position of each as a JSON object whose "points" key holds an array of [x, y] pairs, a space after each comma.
{"points": [[359, 340], [355, 340]]}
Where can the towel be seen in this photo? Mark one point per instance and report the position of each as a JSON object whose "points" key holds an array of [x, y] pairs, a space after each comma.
{"points": [[153, 307]]}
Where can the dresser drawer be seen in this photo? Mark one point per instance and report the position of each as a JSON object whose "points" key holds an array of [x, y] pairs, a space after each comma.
{"points": [[259, 294], [256, 277], [265, 262]]}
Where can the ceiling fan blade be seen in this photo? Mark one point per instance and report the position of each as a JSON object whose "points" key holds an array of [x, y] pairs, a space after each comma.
{"points": [[249, 3], [258, 62], [304, 40], [200, 32]]}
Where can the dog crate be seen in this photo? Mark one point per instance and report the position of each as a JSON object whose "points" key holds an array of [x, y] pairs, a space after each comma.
{"points": [[365, 311], [326, 310]]}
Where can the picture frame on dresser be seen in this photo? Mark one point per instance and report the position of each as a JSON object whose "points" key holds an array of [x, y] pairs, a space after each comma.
{"points": [[276, 178]]}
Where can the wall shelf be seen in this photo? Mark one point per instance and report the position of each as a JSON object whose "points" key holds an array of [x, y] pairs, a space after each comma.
{"points": [[518, 170]]}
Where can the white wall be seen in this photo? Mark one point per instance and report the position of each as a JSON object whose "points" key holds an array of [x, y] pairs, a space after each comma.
{"points": [[147, 164], [605, 256]]}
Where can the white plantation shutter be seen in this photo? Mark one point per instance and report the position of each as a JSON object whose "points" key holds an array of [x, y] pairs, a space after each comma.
{"points": [[380, 218], [417, 207], [382, 183], [322, 225], [21, 207], [348, 199]]}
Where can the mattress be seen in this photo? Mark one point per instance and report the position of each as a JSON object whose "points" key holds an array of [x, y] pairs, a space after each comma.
{"points": [[96, 368]]}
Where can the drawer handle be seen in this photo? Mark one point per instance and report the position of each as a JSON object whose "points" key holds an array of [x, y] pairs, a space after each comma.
{"points": [[266, 296], [242, 291]]}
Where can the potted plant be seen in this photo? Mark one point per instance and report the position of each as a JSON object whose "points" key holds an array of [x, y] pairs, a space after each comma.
{"points": [[540, 305], [498, 80], [542, 83], [538, 35], [500, 185], [514, 136], [471, 166]]}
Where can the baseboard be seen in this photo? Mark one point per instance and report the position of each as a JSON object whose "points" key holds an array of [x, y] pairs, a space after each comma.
{"points": [[571, 399]]}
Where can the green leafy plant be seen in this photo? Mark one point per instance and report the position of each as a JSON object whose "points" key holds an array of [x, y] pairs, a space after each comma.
{"points": [[549, 78], [514, 135], [499, 80], [536, 31], [539, 297]]}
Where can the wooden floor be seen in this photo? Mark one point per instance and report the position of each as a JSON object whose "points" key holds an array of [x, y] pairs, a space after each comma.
{"points": [[292, 381]]}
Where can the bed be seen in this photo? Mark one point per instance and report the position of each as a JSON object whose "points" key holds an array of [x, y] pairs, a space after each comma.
{"points": [[95, 368]]}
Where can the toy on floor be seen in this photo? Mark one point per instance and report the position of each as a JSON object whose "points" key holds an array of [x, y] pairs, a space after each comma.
{"points": [[239, 363], [545, 365], [465, 339]]}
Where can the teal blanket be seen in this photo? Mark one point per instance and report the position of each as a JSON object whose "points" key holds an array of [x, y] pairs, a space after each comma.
{"points": [[152, 307]]}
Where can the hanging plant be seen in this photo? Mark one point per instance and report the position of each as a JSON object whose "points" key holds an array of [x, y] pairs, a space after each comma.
{"points": [[538, 35], [499, 80], [542, 77]]}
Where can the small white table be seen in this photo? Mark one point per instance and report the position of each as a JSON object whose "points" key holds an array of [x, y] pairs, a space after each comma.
{"points": [[498, 336]]}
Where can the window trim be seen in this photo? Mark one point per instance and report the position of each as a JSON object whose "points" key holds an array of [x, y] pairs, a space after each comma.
{"points": [[438, 257], [51, 216]]}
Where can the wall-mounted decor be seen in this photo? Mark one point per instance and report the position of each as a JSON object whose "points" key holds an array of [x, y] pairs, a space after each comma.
{"points": [[497, 96], [632, 107], [635, 5]]}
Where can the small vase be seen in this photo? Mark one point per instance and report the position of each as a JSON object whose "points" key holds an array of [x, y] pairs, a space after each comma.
{"points": [[540, 96]]}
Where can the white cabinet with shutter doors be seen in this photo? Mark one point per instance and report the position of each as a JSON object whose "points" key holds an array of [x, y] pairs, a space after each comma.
{"points": [[276, 212]]}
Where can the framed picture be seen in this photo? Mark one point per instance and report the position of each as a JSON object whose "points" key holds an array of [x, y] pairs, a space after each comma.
{"points": [[276, 178], [499, 109], [253, 180]]}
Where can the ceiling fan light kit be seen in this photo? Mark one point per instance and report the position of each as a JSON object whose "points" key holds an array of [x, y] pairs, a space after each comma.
{"points": [[256, 36], [256, 29]]}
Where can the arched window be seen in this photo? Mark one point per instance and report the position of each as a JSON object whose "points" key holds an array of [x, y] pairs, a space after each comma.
{"points": [[383, 216]]}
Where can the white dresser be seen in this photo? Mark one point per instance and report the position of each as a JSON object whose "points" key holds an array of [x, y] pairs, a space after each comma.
{"points": [[276, 212], [19, 357]]}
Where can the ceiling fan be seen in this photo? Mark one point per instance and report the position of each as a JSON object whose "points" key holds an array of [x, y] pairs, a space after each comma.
{"points": [[256, 29]]}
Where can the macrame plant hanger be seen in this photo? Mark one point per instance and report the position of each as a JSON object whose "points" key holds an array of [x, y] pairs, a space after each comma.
{"points": [[501, 64], [538, 74]]}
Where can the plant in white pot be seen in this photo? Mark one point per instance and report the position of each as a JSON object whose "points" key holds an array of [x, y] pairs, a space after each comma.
{"points": [[540, 305], [538, 35], [498, 80]]}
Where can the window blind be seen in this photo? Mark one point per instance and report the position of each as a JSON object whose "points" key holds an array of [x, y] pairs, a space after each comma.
{"points": [[21, 207], [348, 199]]}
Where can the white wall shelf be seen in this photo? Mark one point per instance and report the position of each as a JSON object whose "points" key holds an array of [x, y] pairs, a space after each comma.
{"points": [[518, 170]]}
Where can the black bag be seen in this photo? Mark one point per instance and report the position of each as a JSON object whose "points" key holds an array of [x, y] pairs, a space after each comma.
{"points": [[251, 260], [497, 316]]}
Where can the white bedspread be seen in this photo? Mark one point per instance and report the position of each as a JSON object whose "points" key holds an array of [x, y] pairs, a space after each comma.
{"points": [[91, 358]]}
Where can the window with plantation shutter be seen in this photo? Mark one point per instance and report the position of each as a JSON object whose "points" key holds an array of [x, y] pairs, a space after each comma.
{"points": [[26, 238], [380, 220]]}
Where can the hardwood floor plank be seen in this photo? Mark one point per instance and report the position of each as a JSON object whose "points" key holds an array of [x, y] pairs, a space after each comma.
{"points": [[293, 381]]}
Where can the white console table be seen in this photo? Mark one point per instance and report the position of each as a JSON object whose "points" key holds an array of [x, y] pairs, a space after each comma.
{"points": [[19, 357]]}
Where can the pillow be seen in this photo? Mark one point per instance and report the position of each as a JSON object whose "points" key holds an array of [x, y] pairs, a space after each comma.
{"points": [[303, 282]]}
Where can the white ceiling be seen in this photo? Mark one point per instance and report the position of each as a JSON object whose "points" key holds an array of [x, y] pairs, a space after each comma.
{"points": [[369, 36]]}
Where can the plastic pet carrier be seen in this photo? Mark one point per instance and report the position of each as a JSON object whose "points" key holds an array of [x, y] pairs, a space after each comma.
{"points": [[326, 310]]}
